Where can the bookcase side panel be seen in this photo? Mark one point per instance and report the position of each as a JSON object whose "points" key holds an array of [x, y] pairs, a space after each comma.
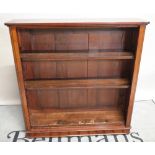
{"points": [[17, 60], [135, 73]]}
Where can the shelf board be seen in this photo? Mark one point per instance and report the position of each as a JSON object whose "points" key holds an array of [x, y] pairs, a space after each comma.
{"points": [[96, 118], [88, 83], [77, 55]]}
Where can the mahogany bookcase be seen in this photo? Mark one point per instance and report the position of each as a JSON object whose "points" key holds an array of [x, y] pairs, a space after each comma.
{"points": [[77, 78]]}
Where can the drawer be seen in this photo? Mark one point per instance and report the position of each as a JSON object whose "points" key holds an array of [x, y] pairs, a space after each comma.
{"points": [[76, 69]]}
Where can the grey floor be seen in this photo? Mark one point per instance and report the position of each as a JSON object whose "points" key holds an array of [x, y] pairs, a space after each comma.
{"points": [[143, 127]]}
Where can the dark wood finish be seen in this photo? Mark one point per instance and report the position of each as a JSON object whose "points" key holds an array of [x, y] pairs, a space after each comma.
{"points": [[71, 98], [99, 83], [75, 94], [76, 24], [135, 73], [17, 60], [83, 118], [55, 40], [77, 78], [47, 133], [88, 65], [81, 55]]}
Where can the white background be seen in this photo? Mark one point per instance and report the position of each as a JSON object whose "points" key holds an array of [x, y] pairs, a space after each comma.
{"points": [[79, 10]]}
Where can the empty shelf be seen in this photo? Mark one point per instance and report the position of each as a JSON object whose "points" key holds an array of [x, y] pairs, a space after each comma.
{"points": [[76, 56], [74, 118], [93, 83]]}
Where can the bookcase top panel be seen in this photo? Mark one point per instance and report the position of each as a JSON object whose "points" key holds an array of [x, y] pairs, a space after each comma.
{"points": [[78, 22]]}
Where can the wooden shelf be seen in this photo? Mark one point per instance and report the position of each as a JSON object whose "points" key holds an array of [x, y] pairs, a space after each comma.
{"points": [[77, 78], [116, 55], [91, 83], [103, 117]]}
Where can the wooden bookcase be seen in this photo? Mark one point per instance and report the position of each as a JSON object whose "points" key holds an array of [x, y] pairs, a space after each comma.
{"points": [[77, 78]]}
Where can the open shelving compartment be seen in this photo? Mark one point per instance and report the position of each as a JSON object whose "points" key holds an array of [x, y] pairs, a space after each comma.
{"points": [[78, 78], [85, 99]]}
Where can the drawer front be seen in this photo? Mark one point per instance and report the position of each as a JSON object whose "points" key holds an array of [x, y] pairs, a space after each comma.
{"points": [[76, 69]]}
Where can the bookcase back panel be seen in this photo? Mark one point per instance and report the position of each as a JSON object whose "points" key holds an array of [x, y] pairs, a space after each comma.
{"points": [[72, 98], [34, 70], [48, 40], [113, 39]]}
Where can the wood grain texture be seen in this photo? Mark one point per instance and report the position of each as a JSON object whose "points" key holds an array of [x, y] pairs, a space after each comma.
{"points": [[77, 78], [74, 99], [17, 60], [48, 133], [135, 74], [52, 40], [77, 55], [76, 24], [97, 83], [71, 119], [36, 70]]}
